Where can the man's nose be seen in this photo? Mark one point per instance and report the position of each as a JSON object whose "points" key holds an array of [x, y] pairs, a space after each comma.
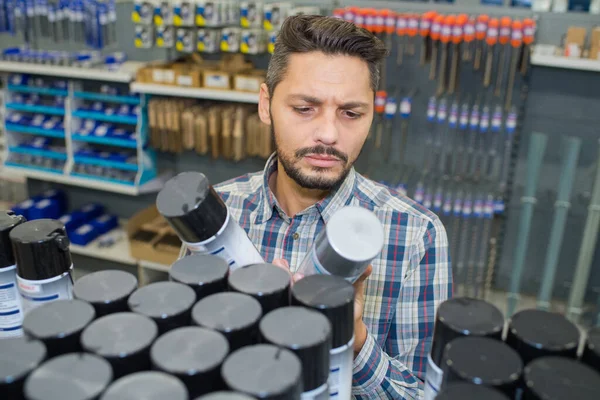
{"points": [[327, 131]]}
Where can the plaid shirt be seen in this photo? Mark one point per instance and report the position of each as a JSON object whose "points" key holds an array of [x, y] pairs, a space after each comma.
{"points": [[410, 277]]}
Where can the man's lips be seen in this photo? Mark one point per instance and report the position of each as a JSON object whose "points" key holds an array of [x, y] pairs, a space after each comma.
{"points": [[323, 161]]}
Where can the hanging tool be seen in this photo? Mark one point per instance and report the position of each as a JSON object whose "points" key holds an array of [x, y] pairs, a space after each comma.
{"points": [[457, 38], [430, 136], [405, 111], [571, 146], [447, 212], [510, 126], [515, 43], [455, 230], [389, 24], [445, 37], [436, 30], [380, 100], [401, 27], [358, 15], [481, 156], [428, 197], [480, 32], [471, 262], [491, 39], [529, 26], [472, 138], [449, 144], [463, 250], [586, 250], [411, 31], [504, 39], [492, 170], [459, 154], [391, 106], [469, 37], [486, 230], [424, 28], [537, 147], [441, 129], [379, 29]]}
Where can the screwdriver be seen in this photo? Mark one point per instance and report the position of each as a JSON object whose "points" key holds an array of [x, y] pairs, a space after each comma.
{"points": [[491, 39], [493, 169], [388, 24], [481, 157], [379, 29], [451, 139], [455, 231], [504, 39], [486, 229], [469, 37], [480, 32], [461, 138], [445, 37], [473, 125], [411, 31], [359, 17], [509, 129], [436, 30], [380, 100], [405, 111], [463, 250], [441, 128], [401, 27], [528, 36], [457, 38], [515, 43], [391, 106], [424, 28], [428, 148]]}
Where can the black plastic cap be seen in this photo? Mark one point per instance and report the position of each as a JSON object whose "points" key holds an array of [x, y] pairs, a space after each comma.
{"points": [[59, 325], [192, 207], [307, 334], [591, 351], [333, 297], [264, 371], [18, 357], [267, 283], [558, 378], [75, 376], [206, 274], [8, 220], [482, 361], [147, 385], [235, 315], [107, 291], [194, 355], [464, 316], [468, 391], [41, 249], [225, 395], [124, 339], [536, 333], [169, 304]]}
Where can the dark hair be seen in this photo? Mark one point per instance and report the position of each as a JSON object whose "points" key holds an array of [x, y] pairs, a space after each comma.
{"points": [[334, 36]]}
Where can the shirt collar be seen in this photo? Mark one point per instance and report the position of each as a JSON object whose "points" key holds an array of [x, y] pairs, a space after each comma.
{"points": [[326, 207]]}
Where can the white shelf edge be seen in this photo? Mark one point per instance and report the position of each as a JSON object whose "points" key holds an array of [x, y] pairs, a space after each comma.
{"points": [[583, 64], [154, 266], [197, 93], [119, 252], [126, 72]]}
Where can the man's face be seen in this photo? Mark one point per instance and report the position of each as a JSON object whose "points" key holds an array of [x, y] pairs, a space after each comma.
{"points": [[320, 114]]}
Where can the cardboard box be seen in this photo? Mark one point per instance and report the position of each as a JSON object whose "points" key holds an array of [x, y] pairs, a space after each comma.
{"points": [[249, 81], [150, 238], [187, 75], [595, 53], [595, 37], [574, 41]]}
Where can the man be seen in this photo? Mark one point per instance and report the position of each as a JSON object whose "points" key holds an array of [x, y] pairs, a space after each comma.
{"points": [[319, 99]]}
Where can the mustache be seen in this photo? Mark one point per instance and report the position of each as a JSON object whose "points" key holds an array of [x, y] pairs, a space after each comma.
{"points": [[322, 150]]}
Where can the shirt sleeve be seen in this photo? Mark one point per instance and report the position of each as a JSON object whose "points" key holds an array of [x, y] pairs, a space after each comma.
{"points": [[398, 371]]}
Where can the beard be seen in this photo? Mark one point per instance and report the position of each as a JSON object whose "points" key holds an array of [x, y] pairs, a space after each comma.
{"points": [[317, 180]]}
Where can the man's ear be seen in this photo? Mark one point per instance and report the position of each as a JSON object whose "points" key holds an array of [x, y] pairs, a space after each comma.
{"points": [[264, 109]]}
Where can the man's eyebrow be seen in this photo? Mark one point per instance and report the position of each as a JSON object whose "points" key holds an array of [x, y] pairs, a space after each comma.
{"points": [[313, 100], [354, 104]]}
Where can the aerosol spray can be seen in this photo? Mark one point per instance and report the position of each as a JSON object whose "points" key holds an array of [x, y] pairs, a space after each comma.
{"points": [[352, 238], [203, 222], [11, 312], [44, 265]]}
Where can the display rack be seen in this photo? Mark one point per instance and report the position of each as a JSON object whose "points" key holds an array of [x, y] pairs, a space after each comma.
{"points": [[582, 64], [125, 73], [196, 93]]}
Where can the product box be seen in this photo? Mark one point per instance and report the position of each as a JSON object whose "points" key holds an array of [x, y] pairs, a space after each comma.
{"points": [[208, 13], [595, 37], [230, 40], [595, 53], [151, 238], [253, 41], [208, 40], [271, 41], [221, 77], [163, 13], [574, 41], [249, 81], [306, 10], [183, 13], [144, 36], [251, 14], [186, 40], [165, 36], [143, 12], [187, 75], [275, 14]]}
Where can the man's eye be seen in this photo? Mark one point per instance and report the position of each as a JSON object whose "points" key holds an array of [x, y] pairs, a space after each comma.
{"points": [[352, 114], [302, 110]]}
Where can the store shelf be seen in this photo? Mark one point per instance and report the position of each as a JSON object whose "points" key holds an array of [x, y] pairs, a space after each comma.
{"points": [[197, 93], [125, 73], [130, 144], [105, 163], [117, 252], [98, 116], [37, 90], [107, 97], [154, 266], [32, 130], [35, 109], [583, 64], [28, 170], [92, 183], [37, 152]]}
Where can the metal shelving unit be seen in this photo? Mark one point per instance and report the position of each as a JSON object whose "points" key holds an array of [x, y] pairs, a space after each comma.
{"points": [[196, 93]]}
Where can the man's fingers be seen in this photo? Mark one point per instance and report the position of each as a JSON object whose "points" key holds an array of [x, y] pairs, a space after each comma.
{"points": [[364, 276], [282, 263]]}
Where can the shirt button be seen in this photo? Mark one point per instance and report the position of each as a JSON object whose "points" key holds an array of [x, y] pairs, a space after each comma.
{"points": [[296, 236]]}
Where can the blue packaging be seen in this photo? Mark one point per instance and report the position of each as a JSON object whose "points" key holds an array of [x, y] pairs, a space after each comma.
{"points": [[97, 106], [58, 195], [52, 123], [124, 110], [119, 156], [105, 223], [23, 208], [579, 5], [91, 211], [106, 89], [119, 133], [83, 235], [72, 221], [104, 130], [38, 120], [105, 155], [18, 79], [46, 208], [110, 110]]}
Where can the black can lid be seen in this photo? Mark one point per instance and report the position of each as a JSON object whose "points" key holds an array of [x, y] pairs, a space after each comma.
{"points": [[18, 357], [189, 351], [262, 281], [161, 300], [305, 332], [332, 296], [192, 207], [224, 395], [147, 385], [8, 220], [554, 378], [542, 330], [41, 249], [264, 371], [464, 316], [227, 312], [469, 391], [591, 351], [119, 335], [199, 269], [58, 319], [73, 376], [483, 361], [105, 287]]}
